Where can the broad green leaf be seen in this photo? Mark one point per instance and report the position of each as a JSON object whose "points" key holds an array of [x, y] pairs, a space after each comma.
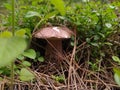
{"points": [[20, 32], [59, 5], [115, 58], [10, 49], [30, 54], [117, 78], [26, 63], [26, 75], [41, 59], [32, 14], [5, 34]]}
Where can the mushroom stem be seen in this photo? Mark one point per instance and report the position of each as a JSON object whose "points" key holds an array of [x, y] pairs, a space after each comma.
{"points": [[54, 49]]}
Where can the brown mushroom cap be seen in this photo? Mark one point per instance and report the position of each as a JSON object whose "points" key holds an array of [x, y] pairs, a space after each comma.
{"points": [[53, 32]]}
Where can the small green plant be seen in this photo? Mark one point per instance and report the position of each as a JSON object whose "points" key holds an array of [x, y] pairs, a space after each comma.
{"points": [[94, 65], [60, 79]]}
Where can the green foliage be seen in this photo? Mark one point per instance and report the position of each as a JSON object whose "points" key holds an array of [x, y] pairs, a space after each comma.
{"points": [[59, 5], [117, 75], [94, 66], [116, 59], [26, 63], [93, 21], [117, 78], [20, 33], [41, 59], [30, 53], [32, 14], [26, 75], [28, 16], [5, 71], [11, 48], [6, 34], [59, 78]]}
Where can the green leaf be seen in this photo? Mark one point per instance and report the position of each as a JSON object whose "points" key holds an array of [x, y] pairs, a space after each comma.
{"points": [[26, 75], [59, 5], [115, 58], [116, 70], [10, 49], [6, 34], [30, 54], [20, 57], [32, 14], [49, 15], [102, 35], [41, 59], [26, 63], [108, 43], [94, 44], [20, 32], [117, 78], [117, 75]]}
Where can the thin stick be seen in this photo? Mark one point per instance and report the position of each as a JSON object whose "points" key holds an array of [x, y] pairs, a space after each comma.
{"points": [[71, 60]]}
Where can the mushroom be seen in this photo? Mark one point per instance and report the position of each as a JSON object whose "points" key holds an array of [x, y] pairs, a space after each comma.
{"points": [[54, 36]]}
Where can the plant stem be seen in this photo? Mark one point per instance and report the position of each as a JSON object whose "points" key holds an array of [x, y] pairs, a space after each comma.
{"points": [[13, 33], [13, 19], [12, 76]]}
